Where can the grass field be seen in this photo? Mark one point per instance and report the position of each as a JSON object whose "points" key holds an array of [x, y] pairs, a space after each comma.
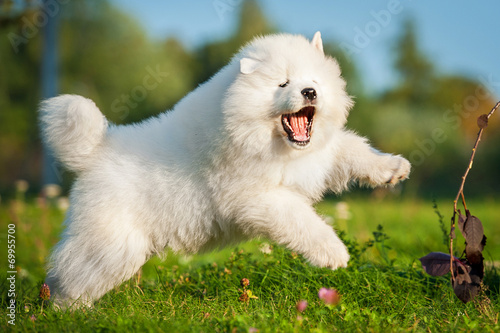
{"points": [[383, 289]]}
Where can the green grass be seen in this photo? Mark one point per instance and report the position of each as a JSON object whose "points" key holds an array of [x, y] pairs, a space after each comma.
{"points": [[383, 289]]}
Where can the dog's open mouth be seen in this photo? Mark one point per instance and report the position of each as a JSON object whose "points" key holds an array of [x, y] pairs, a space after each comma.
{"points": [[298, 125]]}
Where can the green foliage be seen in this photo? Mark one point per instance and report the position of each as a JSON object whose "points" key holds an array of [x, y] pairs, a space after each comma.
{"points": [[202, 293], [129, 77], [213, 56], [415, 70]]}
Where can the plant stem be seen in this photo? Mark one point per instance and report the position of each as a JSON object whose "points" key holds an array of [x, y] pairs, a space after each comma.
{"points": [[461, 189]]}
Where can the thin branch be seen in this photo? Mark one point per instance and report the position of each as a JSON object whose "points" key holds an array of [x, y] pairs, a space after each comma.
{"points": [[463, 201], [461, 189], [472, 156]]}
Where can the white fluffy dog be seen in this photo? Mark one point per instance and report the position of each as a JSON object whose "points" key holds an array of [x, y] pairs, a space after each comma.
{"points": [[244, 155]]}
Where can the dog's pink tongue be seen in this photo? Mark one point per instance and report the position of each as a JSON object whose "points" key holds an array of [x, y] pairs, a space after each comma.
{"points": [[299, 127]]}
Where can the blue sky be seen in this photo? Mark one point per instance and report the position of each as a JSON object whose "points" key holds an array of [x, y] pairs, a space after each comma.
{"points": [[459, 36]]}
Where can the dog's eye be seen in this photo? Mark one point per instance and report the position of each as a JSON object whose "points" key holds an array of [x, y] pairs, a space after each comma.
{"points": [[284, 84]]}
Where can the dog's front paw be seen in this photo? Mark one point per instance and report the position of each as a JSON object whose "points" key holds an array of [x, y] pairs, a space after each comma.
{"points": [[331, 255], [399, 170], [340, 259], [385, 169]]}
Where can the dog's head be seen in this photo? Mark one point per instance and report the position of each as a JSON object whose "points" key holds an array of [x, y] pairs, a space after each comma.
{"points": [[287, 93]]}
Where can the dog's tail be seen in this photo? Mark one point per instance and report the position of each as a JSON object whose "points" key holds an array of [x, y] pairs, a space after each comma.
{"points": [[74, 128]]}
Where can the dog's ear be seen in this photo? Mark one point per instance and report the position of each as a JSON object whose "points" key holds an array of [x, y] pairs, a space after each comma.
{"points": [[317, 42], [248, 65]]}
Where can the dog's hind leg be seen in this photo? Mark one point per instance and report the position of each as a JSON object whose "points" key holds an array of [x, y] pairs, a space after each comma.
{"points": [[88, 263]]}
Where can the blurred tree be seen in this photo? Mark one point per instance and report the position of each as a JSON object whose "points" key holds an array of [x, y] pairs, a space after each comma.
{"points": [[415, 71], [19, 93], [430, 118], [105, 55], [362, 108], [349, 70], [460, 101], [49, 84], [252, 22]]}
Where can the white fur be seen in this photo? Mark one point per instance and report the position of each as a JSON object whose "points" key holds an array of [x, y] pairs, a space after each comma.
{"points": [[215, 170], [74, 127]]}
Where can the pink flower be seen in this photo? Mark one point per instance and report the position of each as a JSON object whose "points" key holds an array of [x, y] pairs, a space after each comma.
{"points": [[329, 296], [301, 305]]}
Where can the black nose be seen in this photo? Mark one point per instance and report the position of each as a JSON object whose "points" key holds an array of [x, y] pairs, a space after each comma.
{"points": [[309, 94]]}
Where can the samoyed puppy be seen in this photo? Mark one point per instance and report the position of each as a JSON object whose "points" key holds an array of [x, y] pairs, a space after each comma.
{"points": [[244, 155]]}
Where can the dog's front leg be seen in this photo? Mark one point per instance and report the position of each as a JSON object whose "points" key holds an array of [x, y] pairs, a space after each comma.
{"points": [[358, 160], [287, 219]]}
